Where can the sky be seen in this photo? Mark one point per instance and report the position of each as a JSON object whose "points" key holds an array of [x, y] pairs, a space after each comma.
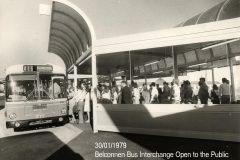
{"points": [[118, 17], [24, 33]]}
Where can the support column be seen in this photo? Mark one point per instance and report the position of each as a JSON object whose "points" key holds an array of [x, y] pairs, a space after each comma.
{"points": [[94, 89], [75, 77], [232, 88], [66, 82], [212, 57], [175, 67], [146, 79], [213, 77], [232, 79], [130, 67], [110, 79]]}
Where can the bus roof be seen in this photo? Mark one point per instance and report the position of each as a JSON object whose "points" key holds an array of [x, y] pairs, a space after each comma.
{"points": [[18, 69]]}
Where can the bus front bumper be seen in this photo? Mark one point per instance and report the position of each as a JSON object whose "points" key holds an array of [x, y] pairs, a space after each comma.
{"points": [[36, 122]]}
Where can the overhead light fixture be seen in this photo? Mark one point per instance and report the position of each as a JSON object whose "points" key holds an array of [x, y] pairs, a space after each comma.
{"points": [[219, 44], [157, 72], [151, 63], [135, 76], [195, 65]]}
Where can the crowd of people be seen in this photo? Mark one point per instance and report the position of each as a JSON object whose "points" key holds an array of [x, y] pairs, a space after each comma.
{"points": [[174, 93], [80, 101]]}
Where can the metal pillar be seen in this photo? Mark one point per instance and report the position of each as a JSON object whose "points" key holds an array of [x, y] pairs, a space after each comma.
{"points": [[213, 77], [175, 68], [94, 89], [75, 77], [232, 87], [146, 79], [130, 67]]}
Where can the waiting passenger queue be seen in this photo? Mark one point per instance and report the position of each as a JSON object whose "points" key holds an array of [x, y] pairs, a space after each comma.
{"points": [[175, 93]]}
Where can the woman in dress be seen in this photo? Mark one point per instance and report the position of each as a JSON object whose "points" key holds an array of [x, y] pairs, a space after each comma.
{"points": [[79, 103]]}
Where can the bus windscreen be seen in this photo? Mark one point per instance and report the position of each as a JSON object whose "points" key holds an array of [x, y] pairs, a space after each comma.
{"points": [[34, 87]]}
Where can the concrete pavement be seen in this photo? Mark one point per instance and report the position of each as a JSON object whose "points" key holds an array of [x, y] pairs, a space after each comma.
{"points": [[78, 142], [35, 144]]}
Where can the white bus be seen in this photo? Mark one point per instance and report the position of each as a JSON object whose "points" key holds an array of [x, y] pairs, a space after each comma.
{"points": [[35, 95]]}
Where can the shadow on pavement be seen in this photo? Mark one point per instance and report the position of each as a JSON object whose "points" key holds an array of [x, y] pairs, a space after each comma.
{"points": [[185, 145], [65, 153], [37, 146], [178, 121]]}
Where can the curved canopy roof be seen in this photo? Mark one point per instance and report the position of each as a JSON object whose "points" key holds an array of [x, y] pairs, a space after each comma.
{"points": [[70, 37], [225, 10], [69, 34]]}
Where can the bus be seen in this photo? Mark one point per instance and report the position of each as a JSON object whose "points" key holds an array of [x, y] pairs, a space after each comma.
{"points": [[35, 95]]}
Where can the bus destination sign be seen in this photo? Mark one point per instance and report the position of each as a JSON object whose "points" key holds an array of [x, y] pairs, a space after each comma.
{"points": [[37, 68]]}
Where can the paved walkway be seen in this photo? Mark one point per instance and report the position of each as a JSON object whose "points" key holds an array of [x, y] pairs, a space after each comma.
{"points": [[77, 142], [84, 146], [37, 144]]}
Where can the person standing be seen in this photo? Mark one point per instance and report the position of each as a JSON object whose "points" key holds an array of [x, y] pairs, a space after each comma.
{"points": [[106, 93], [154, 94], [195, 94], [71, 102], [136, 94], [166, 93], [175, 92], [145, 95], [87, 103], [56, 90], [114, 95], [126, 94], [79, 106], [203, 91], [188, 92], [215, 95], [160, 92], [224, 91]]}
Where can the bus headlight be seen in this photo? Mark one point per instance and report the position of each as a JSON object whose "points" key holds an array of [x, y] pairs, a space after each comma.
{"points": [[12, 116], [60, 119], [17, 124], [64, 111]]}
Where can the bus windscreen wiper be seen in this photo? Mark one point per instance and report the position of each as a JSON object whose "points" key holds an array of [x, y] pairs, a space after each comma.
{"points": [[30, 95]]}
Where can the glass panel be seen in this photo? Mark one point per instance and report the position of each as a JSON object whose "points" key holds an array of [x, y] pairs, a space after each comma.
{"points": [[142, 70], [148, 68], [190, 56], [26, 88], [219, 51], [180, 59], [203, 55], [161, 64], [210, 15], [169, 62], [154, 66], [20, 87], [191, 21], [235, 47], [230, 10], [51, 86], [136, 71]]}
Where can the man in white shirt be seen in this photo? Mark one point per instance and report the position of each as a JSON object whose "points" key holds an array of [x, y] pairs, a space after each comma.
{"points": [[176, 91], [154, 93], [225, 92]]}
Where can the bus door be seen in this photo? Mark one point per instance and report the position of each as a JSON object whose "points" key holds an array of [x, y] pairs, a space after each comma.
{"points": [[57, 100]]}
